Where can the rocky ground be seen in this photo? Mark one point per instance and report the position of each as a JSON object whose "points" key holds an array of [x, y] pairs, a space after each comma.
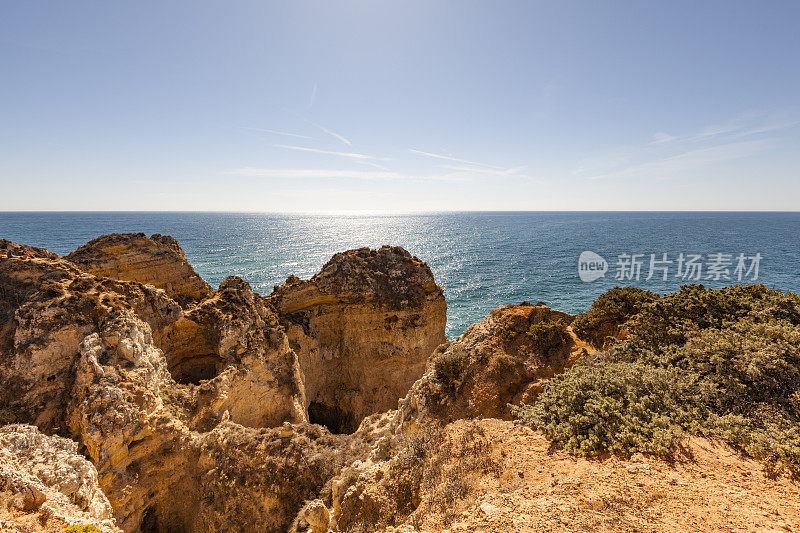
{"points": [[135, 397], [534, 488]]}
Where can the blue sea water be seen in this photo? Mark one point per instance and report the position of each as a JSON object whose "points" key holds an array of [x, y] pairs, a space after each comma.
{"points": [[481, 259]]}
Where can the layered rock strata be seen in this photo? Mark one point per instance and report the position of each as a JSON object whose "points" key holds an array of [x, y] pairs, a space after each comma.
{"points": [[363, 329], [419, 462], [189, 409], [504, 359], [157, 260]]}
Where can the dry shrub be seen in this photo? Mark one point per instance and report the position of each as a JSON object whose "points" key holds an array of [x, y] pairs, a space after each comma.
{"points": [[433, 471], [449, 365], [462, 456], [721, 363], [610, 311], [546, 336]]}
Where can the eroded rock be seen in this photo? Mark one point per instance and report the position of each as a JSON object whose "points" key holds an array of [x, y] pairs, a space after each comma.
{"points": [[47, 308], [23, 250], [235, 352], [363, 329], [424, 456], [504, 359], [172, 389], [157, 260], [45, 475]]}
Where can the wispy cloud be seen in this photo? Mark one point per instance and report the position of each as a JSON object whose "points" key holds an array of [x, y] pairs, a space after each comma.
{"points": [[370, 175], [294, 173], [661, 137], [332, 133], [741, 126], [277, 132], [769, 127], [473, 168], [371, 164], [313, 97], [673, 156], [350, 155], [684, 163], [451, 158], [513, 171]]}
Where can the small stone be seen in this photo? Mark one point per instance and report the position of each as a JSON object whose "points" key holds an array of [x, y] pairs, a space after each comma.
{"points": [[317, 516], [286, 431], [45, 514], [597, 505], [30, 499], [489, 510]]}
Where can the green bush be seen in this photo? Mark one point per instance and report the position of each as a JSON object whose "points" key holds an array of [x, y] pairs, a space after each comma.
{"points": [[609, 312], [722, 363], [616, 407], [548, 335], [81, 529], [448, 366]]}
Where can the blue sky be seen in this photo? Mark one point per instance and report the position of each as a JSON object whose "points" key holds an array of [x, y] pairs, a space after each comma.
{"points": [[399, 106]]}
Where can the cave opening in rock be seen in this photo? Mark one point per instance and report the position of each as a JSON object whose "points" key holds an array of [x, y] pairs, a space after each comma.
{"points": [[149, 522], [193, 370], [332, 417]]}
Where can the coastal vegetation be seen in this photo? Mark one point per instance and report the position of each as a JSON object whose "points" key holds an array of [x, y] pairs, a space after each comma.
{"points": [[723, 364]]}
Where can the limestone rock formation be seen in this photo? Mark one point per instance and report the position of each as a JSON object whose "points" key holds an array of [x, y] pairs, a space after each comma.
{"points": [[130, 416], [232, 347], [172, 388], [158, 260], [45, 482], [195, 408], [21, 250], [138, 380], [257, 480], [47, 308], [363, 329], [504, 359], [420, 461]]}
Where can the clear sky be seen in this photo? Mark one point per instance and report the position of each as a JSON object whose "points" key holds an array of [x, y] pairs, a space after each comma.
{"points": [[399, 105]]}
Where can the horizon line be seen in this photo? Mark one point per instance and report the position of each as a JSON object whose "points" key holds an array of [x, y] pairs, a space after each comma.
{"points": [[401, 212]]}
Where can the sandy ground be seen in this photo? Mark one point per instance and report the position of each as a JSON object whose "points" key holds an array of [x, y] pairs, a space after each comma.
{"points": [[714, 489]]}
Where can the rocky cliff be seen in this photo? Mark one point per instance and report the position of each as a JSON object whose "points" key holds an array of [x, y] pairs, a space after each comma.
{"points": [[335, 404], [418, 465], [363, 329], [21, 250], [504, 359], [157, 260], [45, 483], [173, 388]]}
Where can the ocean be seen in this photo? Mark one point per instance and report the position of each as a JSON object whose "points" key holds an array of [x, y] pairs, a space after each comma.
{"points": [[481, 259]]}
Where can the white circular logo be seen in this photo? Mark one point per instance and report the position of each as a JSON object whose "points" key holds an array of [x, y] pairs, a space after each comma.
{"points": [[591, 266]]}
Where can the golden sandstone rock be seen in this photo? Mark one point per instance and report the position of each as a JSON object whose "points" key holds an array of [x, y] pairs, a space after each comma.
{"points": [[362, 329], [45, 476], [504, 359], [158, 260], [172, 388]]}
